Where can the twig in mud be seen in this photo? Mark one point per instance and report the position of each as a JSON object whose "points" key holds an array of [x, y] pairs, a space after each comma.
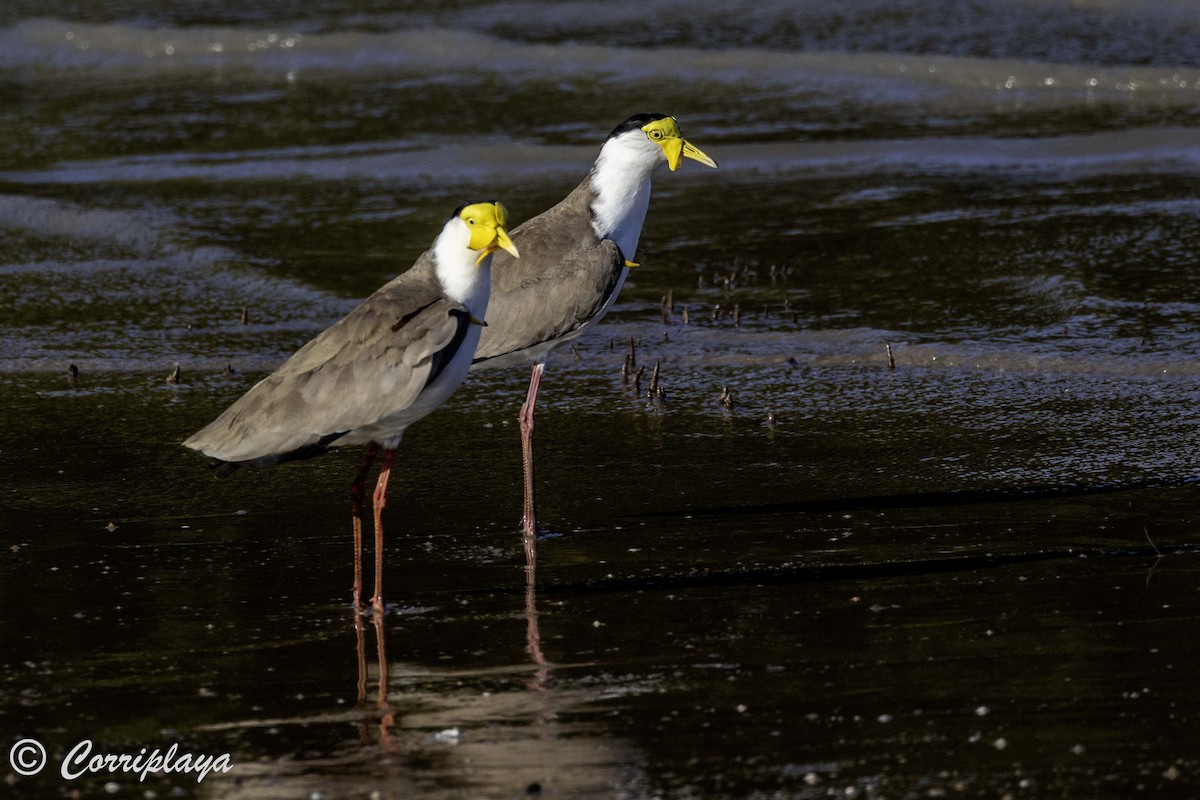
{"points": [[1158, 556], [1157, 552], [891, 361]]}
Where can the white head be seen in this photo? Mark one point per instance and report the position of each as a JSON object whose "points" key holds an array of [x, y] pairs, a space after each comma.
{"points": [[463, 250], [645, 142], [621, 177]]}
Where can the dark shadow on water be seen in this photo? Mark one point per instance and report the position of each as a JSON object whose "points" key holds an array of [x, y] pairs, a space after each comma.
{"points": [[784, 575], [789, 573], [941, 499]]}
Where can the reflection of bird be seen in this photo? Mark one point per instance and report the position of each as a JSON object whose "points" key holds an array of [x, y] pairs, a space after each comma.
{"points": [[387, 364], [575, 257]]}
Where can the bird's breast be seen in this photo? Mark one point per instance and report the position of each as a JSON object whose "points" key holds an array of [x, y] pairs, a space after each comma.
{"points": [[619, 213]]}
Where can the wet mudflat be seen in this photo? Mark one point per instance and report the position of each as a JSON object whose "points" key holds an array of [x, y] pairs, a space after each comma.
{"points": [[715, 614], [938, 540]]}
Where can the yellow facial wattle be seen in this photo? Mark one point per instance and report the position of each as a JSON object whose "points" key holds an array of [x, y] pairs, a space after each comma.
{"points": [[486, 223], [665, 133]]}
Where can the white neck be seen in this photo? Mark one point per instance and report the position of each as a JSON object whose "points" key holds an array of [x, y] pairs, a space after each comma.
{"points": [[621, 181], [461, 279]]}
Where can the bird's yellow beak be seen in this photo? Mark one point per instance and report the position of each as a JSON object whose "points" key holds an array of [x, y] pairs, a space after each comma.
{"points": [[486, 222], [665, 133], [503, 242]]}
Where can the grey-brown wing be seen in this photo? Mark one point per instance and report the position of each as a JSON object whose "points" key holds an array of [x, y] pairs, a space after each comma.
{"points": [[564, 277], [371, 364]]}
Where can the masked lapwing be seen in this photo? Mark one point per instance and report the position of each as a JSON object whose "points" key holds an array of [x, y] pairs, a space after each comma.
{"points": [[391, 361], [574, 260]]}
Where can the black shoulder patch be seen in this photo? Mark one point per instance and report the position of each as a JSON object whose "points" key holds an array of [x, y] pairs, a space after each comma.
{"points": [[443, 357]]}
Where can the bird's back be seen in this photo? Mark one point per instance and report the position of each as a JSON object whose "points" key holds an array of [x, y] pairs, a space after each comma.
{"points": [[369, 366], [565, 275]]}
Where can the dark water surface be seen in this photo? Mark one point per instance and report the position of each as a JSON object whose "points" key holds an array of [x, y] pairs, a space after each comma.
{"points": [[970, 572]]}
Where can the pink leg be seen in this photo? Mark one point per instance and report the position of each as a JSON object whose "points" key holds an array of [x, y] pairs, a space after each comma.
{"points": [[529, 519], [379, 499], [356, 496]]}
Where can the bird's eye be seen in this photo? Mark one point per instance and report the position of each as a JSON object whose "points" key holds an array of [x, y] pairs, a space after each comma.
{"points": [[656, 134], [470, 220]]}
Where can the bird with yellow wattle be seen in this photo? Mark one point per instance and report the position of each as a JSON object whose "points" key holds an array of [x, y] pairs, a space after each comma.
{"points": [[574, 259], [391, 361]]}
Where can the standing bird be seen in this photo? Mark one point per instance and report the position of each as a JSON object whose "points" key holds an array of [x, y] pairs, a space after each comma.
{"points": [[388, 363], [575, 257]]}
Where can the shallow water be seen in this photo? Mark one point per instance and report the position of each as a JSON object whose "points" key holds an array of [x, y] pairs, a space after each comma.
{"points": [[940, 542]]}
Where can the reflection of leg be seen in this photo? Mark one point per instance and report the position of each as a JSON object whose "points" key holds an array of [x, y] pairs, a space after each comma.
{"points": [[362, 658], [361, 699], [533, 636], [379, 500], [529, 520], [377, 619], [386, 718], [356, 496]]}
